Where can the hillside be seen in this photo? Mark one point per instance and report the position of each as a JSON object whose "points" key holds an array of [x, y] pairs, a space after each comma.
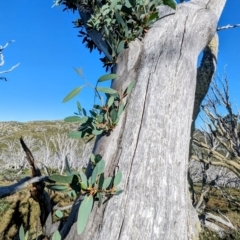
{"points": [[48, 141]]}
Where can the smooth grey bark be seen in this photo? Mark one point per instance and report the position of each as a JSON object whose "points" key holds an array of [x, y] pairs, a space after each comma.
{"points": [[151, 143]]}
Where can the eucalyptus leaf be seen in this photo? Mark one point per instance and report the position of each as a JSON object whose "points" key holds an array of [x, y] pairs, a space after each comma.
{"points": [[113, 115], [117, 178], [113, 4], [118, 192], [99, 195], [170, 3], [120, 109], [90, 181], [120, 47], [94, 174], [21, 233], [106, 90], [61, 178], [119, 19], [83, 213], [26, 236], [110, 101], [107, 182], [56, 235], [59, 213], [58, 188], [73, 119], [100, 118], [101, 166], [101, 181], [72, 94], [75, 134], [84, 112], [83, 178], [107, 77], [79, 106], [79, 72], [68, 169], [92, 157], [130, 87]]}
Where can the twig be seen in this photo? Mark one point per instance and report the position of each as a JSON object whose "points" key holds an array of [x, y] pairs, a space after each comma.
{"points": [[62, 208], [9, 190], [9, 70], [228, 26]]}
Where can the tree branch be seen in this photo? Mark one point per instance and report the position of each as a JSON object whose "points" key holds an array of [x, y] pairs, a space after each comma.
{"points": [[227, 27], [9, 190]]}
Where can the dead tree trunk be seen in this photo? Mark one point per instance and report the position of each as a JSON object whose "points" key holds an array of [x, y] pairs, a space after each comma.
{"points": [[151, 143]]}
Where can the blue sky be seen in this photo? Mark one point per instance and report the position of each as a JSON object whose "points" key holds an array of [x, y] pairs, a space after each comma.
{"points": [[48, 48]]}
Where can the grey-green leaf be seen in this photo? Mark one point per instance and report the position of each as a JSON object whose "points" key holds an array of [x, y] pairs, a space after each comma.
{"points": [[26, 236], [83, 213], [73, 119], [79, 72], [170, 3], [58, 188], [113, 4], [61, 178], [94, 175], [59, 213], [107, 182], [101, 180], [72, 94], [21, 233], [99, 195], [68, 169], [107, 77], [75, 134], [83, 178], [110, 101], [101, 166], [130, 86], [106, 90], [56, 235], [117, 178], [120, 47], [118, 192], [79, 106], [120, 109]]}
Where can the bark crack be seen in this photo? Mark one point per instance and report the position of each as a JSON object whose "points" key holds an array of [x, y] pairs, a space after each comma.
{"points": [[144, 107], [183, 37]]}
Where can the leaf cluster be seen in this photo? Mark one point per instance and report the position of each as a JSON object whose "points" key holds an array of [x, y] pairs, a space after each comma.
{"points": [[123, 21], [95, 188], [119, 21], [103, 117]]}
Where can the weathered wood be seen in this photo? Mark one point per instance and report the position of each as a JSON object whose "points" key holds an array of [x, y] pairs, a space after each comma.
{"points": [[151, 143]]}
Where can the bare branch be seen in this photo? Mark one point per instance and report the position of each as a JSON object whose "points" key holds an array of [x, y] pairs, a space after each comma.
{"points": [[62, 208], [227, 27], [9, 190], [9, 70], [220, 220]]}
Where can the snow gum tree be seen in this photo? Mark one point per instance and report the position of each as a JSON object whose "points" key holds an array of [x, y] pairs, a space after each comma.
{"points": [[151, 142], [157, 46]]}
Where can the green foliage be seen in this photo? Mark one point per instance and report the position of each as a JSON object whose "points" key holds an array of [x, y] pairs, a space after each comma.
{"points": [[83, 213], [72, 94], [22, 235], [119, 21], [56, 236], [103, 118], [124, 21], [93, 188], [59, 213]]}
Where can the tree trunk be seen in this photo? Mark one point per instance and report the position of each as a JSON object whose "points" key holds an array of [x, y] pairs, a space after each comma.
{"points": [[151, 142]]}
